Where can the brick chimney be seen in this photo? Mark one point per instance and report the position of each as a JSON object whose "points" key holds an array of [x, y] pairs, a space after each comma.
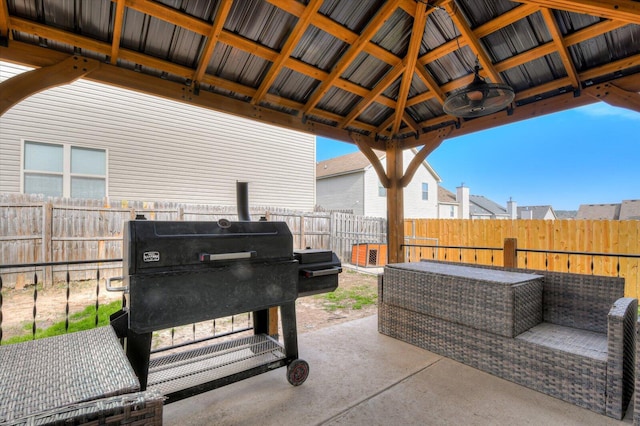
{"points": [[462, 197]]}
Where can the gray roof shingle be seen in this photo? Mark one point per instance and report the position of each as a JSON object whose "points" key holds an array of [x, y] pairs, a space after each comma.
{"points": [[630, 210], [599, 211], [344, 164]]}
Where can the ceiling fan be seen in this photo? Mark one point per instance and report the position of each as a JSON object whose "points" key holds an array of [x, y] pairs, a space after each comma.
{"points": [[479, 98]]}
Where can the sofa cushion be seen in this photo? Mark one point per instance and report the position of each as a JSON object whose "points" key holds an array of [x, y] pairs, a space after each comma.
{"points": [[568, 339], [501, 302]]}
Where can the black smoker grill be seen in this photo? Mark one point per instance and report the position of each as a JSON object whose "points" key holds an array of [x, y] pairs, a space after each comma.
{"points": [[179, 273]]}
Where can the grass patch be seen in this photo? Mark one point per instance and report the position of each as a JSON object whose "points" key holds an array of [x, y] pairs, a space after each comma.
{"points": [[83, 320], [353, 298]]}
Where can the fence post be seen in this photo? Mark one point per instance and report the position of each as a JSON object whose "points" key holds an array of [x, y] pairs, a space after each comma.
{"points": [[47, 234], [510, 253], [303, 243]]}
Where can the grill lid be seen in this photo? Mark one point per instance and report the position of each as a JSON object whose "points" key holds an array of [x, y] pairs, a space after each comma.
{"points": [[152, 246]]}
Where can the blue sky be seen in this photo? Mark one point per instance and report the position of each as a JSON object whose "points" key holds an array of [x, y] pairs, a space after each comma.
{"points": [[587, 155]]}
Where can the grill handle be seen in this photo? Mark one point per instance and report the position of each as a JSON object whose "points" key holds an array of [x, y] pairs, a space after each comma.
{"points": [[109, 287], [206, 257], [322, 272]]}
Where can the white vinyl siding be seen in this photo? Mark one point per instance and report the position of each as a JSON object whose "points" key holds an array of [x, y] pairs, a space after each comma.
{"points": [[343, 192], [163, 150], [414, 206]]}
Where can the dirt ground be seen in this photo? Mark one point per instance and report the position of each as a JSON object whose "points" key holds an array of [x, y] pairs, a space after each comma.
{"points": [[313, 312]]}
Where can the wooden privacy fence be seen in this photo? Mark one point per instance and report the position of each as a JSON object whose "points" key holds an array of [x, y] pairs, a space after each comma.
{"points": [[540, 244], [34, 230], [348, 230]]}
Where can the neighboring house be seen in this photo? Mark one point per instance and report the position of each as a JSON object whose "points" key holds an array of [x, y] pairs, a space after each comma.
{"points": [[480, 207], [462, 205], [349, 183], [536, 212], [448, 205], [627, 210], [466, 206], [566, 214], [90, 140]]}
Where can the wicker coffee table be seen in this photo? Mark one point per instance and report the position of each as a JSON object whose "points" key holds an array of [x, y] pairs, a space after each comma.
{"points": [[57, 373]]}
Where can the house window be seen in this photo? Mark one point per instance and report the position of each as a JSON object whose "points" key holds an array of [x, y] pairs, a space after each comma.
{"points": [[425, 191], [451, 211], [43, 169], [382, 191], [64, 170]]}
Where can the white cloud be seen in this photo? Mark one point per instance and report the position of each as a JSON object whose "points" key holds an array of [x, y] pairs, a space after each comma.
{"points": [[602, 109]]}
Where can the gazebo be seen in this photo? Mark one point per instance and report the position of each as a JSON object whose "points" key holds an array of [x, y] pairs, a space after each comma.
{"points": [[388, 75]]}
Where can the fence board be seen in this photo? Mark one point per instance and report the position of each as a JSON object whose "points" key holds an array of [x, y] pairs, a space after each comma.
{"points": [[92, 229], [591, 236]]}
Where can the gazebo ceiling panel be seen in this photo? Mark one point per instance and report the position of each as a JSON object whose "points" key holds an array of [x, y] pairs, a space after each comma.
{"points": [[483, 11], [537, 72], [611, 46], [338, 101], [395, 33], [237, 65], [438, 30], [455, 65], [570, 22], [319, 49], [354, 15], [374, 114], [514, 39], [260, 22], [293, 85], [340, 67], [366, 71]]}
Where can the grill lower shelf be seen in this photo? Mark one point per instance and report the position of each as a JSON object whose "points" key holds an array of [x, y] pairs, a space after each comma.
{"points": [[194, 371]]}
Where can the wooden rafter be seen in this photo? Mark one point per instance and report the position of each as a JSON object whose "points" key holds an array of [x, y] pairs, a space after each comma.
{"points": [[525, 112], [212, 39], [473, 42], [561, 47], [353, 51], [624, 13], [548, 48], [148, 61], [388, 79], [296, 34], [373, 159], [31, 82], [620, 10], [382, 128], [117, 31], [409, 121], [434, 90], [616, 96], [508, 18], [417, 31], [4, 20]]}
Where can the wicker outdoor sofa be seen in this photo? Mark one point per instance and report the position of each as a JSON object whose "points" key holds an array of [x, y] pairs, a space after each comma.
{"points": [[73, 379], [567, 335]]}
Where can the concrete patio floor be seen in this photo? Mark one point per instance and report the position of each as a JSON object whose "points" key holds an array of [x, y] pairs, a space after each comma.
{"points": [[360, 377]]}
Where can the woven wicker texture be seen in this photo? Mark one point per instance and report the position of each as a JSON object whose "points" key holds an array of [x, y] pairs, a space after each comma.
{"points": [[140, 408], [46, 374], [636, 402], [484, 299], [589, 369], [572, 300]]}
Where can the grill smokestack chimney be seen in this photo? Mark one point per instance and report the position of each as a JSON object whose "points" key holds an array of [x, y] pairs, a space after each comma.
{"points": [[242, 197]]}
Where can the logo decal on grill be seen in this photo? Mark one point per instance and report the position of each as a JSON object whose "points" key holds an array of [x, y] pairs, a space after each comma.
{"points": [[151, 256]]}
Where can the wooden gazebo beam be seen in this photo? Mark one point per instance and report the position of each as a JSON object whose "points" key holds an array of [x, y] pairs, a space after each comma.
{"points": [[31, 82]]}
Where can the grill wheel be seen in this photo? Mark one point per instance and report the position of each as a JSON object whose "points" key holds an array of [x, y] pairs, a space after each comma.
{"points": [[297, 372]]}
